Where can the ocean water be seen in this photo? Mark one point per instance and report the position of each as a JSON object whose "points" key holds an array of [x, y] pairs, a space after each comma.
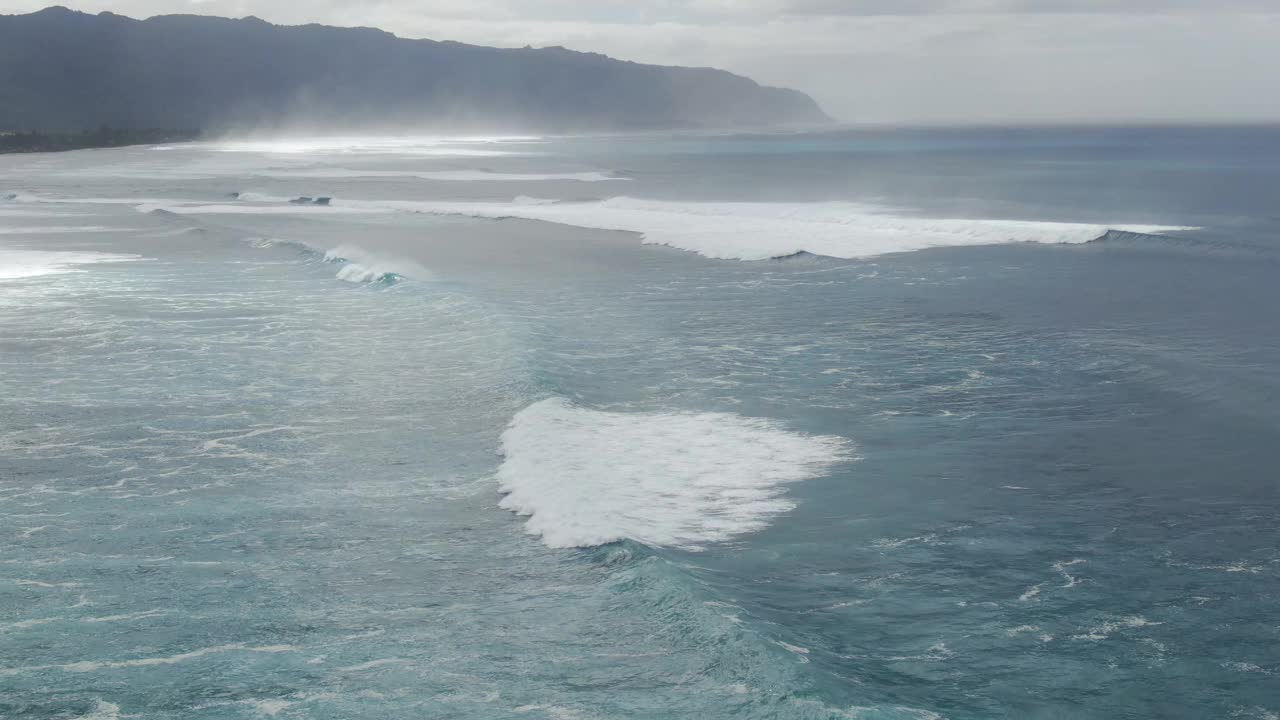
{"points": [[864, 424]]}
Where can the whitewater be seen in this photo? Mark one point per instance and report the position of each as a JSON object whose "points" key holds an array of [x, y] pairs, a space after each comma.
{"points": [[732, 231], [853, 424]]}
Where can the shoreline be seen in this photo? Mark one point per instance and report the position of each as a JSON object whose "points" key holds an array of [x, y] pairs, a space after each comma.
{"points": [[15, 143]]}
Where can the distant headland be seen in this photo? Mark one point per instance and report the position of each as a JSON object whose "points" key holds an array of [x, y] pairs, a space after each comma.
{"points": [[61, 71]]}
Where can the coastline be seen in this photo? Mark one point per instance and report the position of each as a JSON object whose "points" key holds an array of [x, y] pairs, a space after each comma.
{"points": [[39, 142]]}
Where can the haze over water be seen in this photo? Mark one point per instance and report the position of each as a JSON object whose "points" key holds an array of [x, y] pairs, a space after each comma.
{"points": [[862, 424]]}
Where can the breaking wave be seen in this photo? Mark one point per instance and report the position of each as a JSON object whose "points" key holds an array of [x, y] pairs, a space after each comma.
{"points": [[720, 230], [586, 477], [356, 264], [759, 231], [360, 266]]}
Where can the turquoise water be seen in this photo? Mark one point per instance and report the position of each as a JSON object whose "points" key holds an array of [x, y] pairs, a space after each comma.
{"points": [[394, 458]]}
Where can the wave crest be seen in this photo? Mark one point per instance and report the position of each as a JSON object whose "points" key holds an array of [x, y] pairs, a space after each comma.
{"points": [[361, 266]]}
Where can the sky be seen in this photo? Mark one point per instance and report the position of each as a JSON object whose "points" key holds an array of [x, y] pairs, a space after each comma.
{"points": [[873, 61]]}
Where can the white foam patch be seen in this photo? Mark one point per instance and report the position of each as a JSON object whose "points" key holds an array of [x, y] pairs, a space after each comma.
{"points": [[586, 477], [759, 231], [442, 175], [15, 264]]}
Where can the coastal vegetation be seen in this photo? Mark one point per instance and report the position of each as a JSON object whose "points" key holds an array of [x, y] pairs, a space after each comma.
{"points": [[103, 137]]}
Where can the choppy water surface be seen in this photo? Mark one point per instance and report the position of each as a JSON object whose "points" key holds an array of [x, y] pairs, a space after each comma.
{"points": [[948, 424]]}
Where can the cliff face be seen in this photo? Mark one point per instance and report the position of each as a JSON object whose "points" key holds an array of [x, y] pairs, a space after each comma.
{"points": [[61, 69]]}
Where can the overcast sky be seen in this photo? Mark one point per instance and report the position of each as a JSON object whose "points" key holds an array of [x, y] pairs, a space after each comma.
{"points": [[920, 61]]}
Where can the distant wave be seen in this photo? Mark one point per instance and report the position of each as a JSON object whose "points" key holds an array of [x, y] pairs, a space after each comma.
{"points": [[181, 208], [259, 197], [32, 199], [759, 231], [57, 229], [527, 200], [586, 477], [721, 230], [490, 146], [16, 264], [444, 175], [25, 212]]}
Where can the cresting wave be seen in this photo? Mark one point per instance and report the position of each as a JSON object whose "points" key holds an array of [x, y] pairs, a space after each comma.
{"points": [[587, 477], [356, 265], [359, 266]]}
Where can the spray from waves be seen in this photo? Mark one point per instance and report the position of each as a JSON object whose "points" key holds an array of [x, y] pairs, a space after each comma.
{"points": [[586, 477], [356, 264], [759, 231], [360, 266]]}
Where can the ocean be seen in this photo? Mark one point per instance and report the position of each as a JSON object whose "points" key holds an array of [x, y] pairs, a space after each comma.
{"points": [[875, 424]]}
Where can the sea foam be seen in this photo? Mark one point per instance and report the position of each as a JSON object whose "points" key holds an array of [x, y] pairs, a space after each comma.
{"points": [[759, 231], [586, 477], [15, 264]]}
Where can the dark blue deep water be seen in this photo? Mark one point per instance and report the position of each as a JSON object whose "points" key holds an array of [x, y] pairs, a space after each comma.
{"points": [[909, 424]]}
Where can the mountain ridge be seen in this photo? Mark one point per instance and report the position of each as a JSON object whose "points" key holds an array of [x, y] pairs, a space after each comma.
{"points": [[61, 69]]}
